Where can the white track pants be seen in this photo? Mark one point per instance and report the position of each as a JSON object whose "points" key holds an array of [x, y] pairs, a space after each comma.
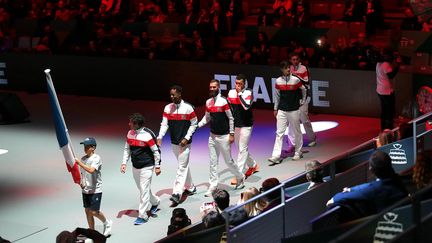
{"points": [[307, 125], [220, 144], [242, 137], [147, 198], [284, 118], [183, 178]]}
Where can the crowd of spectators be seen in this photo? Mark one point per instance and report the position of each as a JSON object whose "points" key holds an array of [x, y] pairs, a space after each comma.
{"points": [[99, 30]]}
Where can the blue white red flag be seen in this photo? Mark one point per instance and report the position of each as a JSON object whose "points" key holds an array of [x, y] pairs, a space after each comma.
{"points": [[62, 131]]}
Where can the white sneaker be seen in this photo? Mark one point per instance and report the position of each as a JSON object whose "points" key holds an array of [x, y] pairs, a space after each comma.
{"points": [[297, 156], [274, 160], [240, 184], [209, 193], [107, 227], [311, 144]]}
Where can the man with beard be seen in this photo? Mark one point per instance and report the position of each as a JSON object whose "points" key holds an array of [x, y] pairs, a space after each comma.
{"points": [[221, 120], [241, 99], [141, 148], [180, 119]]}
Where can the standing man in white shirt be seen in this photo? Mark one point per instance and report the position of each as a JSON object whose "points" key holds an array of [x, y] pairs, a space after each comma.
{"points": [[180, 119], [386, 70]]}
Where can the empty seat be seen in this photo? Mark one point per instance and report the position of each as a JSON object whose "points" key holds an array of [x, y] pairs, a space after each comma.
{"points": [[319, 9], [340, 24], [337, 11], [283, 53], [274, 52], [24, 42], [323, 24], [356, 27]]}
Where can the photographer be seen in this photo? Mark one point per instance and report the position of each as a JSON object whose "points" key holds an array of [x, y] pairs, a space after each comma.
{"points": [[386, 69]]}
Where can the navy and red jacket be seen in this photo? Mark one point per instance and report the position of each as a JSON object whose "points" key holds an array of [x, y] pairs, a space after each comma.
{"points": [[240, 105], [181, 121], [141, 147], [218, 113]]}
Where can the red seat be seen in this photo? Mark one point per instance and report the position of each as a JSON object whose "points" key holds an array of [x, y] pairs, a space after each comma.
{"points": [[323, 24], [337, 11], [319, 9]]}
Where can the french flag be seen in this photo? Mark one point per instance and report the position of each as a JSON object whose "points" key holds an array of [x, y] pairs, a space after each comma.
{"points": [[62, 131]]}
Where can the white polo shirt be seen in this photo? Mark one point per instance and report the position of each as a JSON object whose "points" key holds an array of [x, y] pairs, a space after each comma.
{"points": [[93, 182]]}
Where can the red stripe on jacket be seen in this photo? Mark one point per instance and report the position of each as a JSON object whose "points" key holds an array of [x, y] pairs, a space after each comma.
{"points": [[234, 101], [218, 108], [140, 143], [288, 86], [179, 116]]}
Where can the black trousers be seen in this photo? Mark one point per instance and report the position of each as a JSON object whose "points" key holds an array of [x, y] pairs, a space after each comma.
{"points": [[387, 110]]}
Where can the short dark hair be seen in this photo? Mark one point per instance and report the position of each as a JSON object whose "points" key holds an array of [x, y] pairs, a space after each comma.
{"points": [[314, 172], [380, 164], [269, 184], [212, 219], [221, 198], [65, 237], [215, 81], [284, 64], [241, 76], [294, 54], [137, 118], [177, 88]]}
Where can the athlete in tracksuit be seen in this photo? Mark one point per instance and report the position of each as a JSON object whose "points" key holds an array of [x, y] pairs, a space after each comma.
{"points": [[180, 119], [219, 115], [241, 99], [303, 73], [141, 147], [289, 95]]}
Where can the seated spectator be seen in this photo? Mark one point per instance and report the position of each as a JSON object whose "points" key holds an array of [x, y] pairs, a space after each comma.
{"points": [[273, 198], [283, 18], [143, 14], [74, 236], [198, 47], [191, 17], [4, 240], [62, 13], [422, 171], [314, 173], [384, 137], [213, 219], [254, 208], [179, 220], [427, 25], [301, 18], [355, 10], [411, 21], [260, 50], [241, 56], [372, 197], [158, 16], [405, 130], [220, 202], [181, 48], [286, 4]]}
